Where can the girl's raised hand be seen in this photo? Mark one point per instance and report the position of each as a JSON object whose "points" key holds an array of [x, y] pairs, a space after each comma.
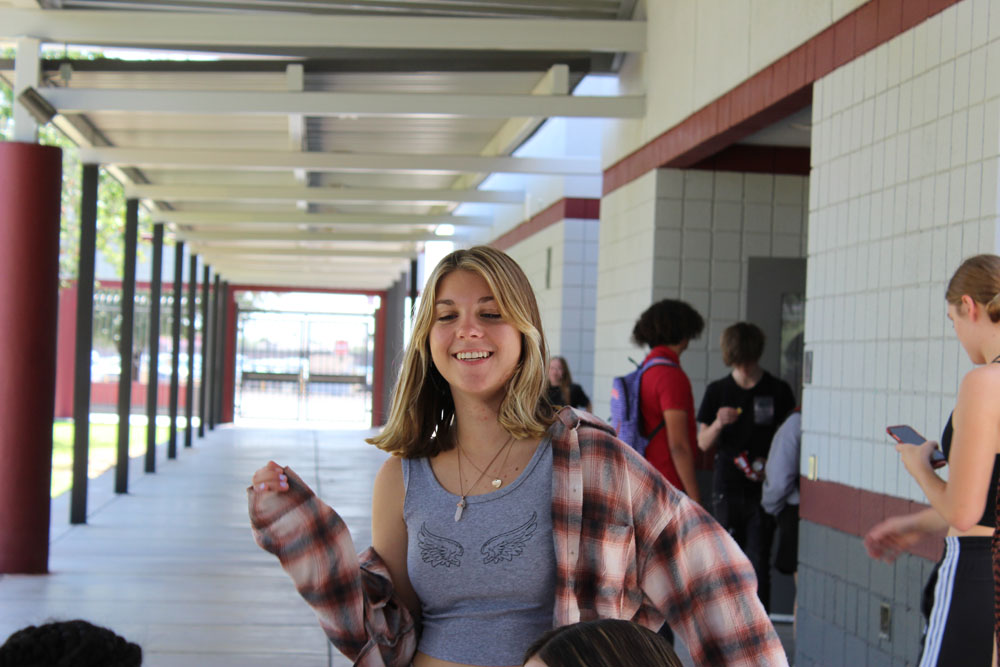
{"points": [[270, 478]]}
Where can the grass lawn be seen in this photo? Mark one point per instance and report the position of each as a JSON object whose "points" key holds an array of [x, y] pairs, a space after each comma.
{"points": [[103, 448]]}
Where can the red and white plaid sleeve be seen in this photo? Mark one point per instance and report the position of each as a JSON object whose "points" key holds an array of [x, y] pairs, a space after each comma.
{"points": [[352, 596]]}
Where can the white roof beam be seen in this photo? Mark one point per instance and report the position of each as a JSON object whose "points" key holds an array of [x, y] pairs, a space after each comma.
{"points": [[284, 279], [89, 100], [515, 130], [307, 236], [217, 250], [312, 268], [304, 218], [193, 30], [321, 195], [338, 162]]}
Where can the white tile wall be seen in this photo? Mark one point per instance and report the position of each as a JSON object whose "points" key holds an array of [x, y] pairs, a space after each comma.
{"points": [[688, 235], [568, 304], [898, 200]]}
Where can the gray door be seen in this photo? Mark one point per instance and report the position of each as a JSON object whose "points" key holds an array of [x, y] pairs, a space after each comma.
{"points": [[776, 288]]}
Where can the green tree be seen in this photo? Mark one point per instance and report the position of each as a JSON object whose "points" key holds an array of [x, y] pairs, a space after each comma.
{"points": [[111, 194]]}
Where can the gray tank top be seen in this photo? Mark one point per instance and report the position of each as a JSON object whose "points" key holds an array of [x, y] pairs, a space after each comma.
{"points": [[486, 583]]}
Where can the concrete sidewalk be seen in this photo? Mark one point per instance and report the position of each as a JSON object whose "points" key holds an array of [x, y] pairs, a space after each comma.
{"points": [[172, 565]]}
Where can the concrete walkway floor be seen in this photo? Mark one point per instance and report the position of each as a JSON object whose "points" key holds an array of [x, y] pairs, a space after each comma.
{"points": [[173, 567]]}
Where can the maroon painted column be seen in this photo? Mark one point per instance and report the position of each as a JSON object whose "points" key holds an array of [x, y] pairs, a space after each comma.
{"points": [[30, 184]]}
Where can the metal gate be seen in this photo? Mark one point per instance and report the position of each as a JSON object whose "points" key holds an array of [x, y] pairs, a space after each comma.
{"points": [[305, 366]]}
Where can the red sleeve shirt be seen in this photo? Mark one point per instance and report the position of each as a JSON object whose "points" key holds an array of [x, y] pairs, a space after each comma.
{"points": [[666, 388]]}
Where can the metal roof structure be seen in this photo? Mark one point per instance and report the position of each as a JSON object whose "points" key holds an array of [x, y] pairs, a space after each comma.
{"points": [[324, 141]]}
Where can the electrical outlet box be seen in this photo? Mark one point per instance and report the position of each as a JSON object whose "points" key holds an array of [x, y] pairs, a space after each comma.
{"points": [[885, 621]]}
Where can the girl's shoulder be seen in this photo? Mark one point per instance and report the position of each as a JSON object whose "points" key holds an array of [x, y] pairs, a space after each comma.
{"points": [[979, 389], [982, 377], [583, 422], [594, 437]]}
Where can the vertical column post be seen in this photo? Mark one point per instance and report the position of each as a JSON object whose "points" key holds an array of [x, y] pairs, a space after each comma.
{"points": [[84, 342], [155, 287], [128, 317], [30, 182], [378, 364], [213, 379], [175, 337], [205, 349], [413, 288], [27, 74], [189, 387], [221, 299]]}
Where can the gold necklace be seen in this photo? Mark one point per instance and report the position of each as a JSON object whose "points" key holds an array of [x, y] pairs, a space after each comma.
{"points": [[497, 482], [461, 488]]}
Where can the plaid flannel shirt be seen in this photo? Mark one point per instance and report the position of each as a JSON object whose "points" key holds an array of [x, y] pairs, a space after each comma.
{"points": [[627, 545]]}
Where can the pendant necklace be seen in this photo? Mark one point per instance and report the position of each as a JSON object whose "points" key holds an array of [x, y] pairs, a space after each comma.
{"points": [[497, 482], [461, 502]]}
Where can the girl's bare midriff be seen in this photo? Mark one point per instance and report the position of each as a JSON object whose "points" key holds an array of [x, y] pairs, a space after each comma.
{"points": [[975, 531]]}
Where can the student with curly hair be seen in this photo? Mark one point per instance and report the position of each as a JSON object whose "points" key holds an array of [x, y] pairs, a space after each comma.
{"points": [[496, 519], [665, 398]]}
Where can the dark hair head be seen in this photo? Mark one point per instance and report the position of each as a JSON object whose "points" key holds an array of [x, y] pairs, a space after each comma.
{"points": [[68, 644], [607, 642], [742, 343], [667, 322], [979, 278]]}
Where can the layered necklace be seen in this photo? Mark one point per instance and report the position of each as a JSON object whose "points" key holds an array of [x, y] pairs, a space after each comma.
{"points": [[497, 481]]}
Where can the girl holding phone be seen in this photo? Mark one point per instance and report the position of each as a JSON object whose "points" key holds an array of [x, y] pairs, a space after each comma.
{"points": [[497, 519], [958, 600]]}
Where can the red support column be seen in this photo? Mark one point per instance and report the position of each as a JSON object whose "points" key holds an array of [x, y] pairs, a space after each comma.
{"points": [[65, 352], [227, 413], [30, 185]]}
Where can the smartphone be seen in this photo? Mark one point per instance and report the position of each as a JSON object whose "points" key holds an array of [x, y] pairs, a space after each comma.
{"points": [[907, 435]]}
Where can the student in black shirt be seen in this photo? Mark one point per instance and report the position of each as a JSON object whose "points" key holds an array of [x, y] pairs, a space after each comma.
{"points": [[738, 417]]}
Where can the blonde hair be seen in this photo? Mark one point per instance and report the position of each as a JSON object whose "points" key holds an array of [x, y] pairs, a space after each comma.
{"points": [[422, 411], [979, 278]]}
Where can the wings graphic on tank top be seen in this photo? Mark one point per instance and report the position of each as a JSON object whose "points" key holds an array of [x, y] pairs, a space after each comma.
{"points": [[507, 545], [436, 550]]}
